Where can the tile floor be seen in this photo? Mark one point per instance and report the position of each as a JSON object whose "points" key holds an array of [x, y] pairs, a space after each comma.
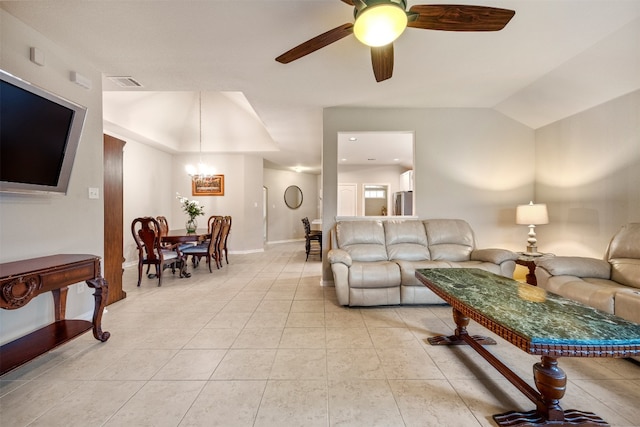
{"points": [[261, 343]]}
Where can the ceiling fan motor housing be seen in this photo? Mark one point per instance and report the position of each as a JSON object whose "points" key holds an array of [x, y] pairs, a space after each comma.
{"points": [[362, 5]]}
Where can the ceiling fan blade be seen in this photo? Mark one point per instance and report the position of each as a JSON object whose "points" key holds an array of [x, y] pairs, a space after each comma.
{"points": [[349, 2], [382, 61], [450, 17], [316, 43]]}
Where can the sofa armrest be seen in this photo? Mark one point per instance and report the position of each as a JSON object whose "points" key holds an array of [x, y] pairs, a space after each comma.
{"points": [[576, 266], [496, 256], [339, 256]]}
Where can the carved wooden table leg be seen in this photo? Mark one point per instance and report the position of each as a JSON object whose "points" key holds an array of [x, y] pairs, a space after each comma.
{"points": [[101, 295], [551, 382], [462, 322]]}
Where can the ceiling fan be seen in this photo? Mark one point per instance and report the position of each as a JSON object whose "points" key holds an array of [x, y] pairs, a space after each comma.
{"points": [[379, 22]]}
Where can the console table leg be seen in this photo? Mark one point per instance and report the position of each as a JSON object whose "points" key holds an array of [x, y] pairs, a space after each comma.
{"points": [[462, 322], [60, 302], [101, 295]]}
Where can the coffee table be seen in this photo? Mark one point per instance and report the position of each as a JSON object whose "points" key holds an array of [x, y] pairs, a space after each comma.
{"points": [[538, 323]]}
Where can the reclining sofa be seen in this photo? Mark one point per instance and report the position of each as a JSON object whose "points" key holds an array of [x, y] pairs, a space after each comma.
{"points": [[611, 284], [374, 262]]}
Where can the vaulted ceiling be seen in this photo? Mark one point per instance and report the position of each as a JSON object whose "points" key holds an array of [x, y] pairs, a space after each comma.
{"points": [[554, 59]]}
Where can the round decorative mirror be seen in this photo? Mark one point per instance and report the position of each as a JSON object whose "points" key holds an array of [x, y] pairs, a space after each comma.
{"points": [[293, 197]]}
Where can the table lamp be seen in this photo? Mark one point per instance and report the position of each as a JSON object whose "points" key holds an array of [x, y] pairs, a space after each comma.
{"points": [[532, 215]]}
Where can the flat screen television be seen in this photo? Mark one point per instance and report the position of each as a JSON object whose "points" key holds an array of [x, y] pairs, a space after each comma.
{"points": [[39, 136]]}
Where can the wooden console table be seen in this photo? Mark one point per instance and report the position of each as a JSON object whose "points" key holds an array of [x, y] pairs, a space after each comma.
{"points": [[21, 281]]}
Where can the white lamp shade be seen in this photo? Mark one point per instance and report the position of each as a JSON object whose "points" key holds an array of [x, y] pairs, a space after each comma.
{"points": [[532, 214], [380, 24]]}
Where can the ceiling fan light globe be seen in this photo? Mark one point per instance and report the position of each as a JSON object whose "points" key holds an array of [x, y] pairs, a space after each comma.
{"points": [[380, 24]]}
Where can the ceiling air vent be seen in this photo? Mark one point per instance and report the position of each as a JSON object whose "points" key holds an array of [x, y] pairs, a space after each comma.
{"points": [[125, 81]]}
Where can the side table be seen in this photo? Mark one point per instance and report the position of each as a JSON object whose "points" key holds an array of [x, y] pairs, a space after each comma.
{"points": [[529, 261]]}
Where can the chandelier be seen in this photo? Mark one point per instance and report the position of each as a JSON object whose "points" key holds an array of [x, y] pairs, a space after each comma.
{"points": [[201, 169]]}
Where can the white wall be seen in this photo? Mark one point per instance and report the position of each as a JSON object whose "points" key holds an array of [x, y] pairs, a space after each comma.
{"points": [[147, 182], [33, 226], [588, 173], [152, 178], [474, 164], [284, 223], [371, 175]]}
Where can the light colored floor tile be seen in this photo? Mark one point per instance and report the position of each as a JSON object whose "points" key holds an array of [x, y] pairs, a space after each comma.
{"points": [[92, 403], [226, 404], [245, 365], [354, 364], [158, 403], [363, 403], [193, 364], [299, 364], [431, 403], [267, 320], [214, 338], [258, 338], [294, 403], [348, 338], [260, 342], [301, 320]]}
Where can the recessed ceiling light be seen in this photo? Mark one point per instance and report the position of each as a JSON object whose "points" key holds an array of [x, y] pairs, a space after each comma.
{"points": [[343, 160], [353, 138], [396, 160]]}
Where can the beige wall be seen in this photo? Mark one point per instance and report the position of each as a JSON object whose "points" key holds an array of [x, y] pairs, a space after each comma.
{"points": [[474, 164], [588, 173], [283, 223], [39, 225]]}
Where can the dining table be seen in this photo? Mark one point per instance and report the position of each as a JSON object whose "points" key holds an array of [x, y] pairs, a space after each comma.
{"points": [[183, 236]]}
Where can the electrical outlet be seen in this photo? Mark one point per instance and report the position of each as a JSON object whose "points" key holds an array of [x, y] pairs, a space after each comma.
{"points": [[80, 288], [94, 193]]}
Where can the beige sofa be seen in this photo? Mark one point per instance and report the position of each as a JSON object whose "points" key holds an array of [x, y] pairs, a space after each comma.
{"points": [[611, 284], [374, 262]]}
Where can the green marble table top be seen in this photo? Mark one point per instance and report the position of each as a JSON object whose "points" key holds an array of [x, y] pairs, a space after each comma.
{"points": [[531, 312]]}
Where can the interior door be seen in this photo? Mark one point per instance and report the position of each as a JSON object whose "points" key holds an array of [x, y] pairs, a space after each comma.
{"points": [[113, 217], [347, 199]]}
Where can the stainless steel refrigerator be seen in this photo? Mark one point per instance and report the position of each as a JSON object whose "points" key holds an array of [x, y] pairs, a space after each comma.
{"points": [[403, 203]]}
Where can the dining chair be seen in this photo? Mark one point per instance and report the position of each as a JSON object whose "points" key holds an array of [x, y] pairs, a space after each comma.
{"points": [[146, 233], [310, 237], [226, 238], [208, 248], [222, 240]]}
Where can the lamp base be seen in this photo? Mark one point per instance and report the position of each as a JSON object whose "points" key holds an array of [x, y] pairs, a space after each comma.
{"points": [[532, 251]]}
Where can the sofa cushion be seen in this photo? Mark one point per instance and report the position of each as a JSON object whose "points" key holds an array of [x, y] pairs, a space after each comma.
{"points": [[594, 292], [363, 240], [406, 240], [380, 274], [449, 239], [576, 266], [625, 244], [626, 271]]}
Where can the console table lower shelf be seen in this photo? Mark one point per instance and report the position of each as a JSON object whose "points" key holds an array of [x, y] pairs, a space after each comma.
{"points": [[21, 281], [528, 317]]}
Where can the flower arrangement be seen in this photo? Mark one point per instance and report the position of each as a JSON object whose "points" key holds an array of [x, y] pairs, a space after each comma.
{"points": [[190, 207]]}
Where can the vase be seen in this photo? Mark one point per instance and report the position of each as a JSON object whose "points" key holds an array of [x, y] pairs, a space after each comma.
{"points": [[191, 225]]}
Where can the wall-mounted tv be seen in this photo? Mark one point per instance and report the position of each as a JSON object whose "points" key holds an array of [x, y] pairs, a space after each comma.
{"points": [[39, 136]]}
